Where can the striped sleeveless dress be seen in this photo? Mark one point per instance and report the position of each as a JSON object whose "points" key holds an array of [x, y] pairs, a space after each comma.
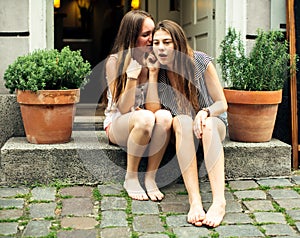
{"points": [[168, 95]]}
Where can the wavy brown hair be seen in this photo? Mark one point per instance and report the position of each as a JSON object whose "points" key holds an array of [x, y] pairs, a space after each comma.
{"points": [[125, 41], [183, 65]]}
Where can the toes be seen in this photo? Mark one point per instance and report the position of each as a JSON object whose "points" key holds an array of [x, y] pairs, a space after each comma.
{"points": [[190, 220], [158, 196], [215, 215], [198, 223], [211, 223], [136, 193], [152, 197], [153, 191], [199, 220], [196, 216], [138, 196]]}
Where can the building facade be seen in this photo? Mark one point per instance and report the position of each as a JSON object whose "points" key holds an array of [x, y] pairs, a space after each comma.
{"points": [[26, 25]]}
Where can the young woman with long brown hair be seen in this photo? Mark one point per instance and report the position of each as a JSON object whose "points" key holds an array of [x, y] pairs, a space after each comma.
{"points": [[134, 118], [189, 88]]}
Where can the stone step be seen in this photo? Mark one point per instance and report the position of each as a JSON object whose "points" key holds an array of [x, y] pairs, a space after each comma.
{"points": [[88, 158], [88, 123]]}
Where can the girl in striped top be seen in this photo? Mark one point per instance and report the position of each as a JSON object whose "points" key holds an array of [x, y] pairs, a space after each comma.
{"points": [[189, 88]]}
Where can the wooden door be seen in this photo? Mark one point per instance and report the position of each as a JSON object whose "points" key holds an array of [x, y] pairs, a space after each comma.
{"points": [[164, 9], [197, 20]]}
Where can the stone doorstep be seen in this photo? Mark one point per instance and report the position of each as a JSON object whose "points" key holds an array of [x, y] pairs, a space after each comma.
{"points": [[88, 158], [92, 123]]}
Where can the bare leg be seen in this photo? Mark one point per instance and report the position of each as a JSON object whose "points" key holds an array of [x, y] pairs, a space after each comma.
{"points": [[158, 144], [134, 130], [213, 134], [187, 160]]}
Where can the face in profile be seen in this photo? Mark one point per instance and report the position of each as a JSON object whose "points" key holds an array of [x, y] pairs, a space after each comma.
{"points": [[163, 47], [144, 40]]}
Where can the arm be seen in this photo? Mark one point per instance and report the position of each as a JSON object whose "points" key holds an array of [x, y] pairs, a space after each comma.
{"points": [[127, 98], [219, 106], [215, 90], [152, 99]]}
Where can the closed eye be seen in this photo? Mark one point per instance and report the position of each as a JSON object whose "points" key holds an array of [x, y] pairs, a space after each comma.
{"points": [[166, 43], [146, 34]]}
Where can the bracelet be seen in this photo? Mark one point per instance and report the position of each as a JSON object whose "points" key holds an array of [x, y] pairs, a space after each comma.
{"points": [[129, 78], [206, 110]]}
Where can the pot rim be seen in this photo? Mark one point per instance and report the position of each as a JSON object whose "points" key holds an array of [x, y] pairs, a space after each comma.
{"points": [[41, 97], [253, 97]]}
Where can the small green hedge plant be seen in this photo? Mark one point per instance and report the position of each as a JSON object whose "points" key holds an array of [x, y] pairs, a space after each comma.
{"points": [[265, 69], [48, 69]]}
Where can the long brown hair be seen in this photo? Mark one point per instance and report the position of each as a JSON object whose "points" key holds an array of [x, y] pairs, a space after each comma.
{"points": [[183, 65], [125, 41]]}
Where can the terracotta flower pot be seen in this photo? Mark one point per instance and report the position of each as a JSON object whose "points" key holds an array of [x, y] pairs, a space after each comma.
{"points": [[252, 114], [48, 115]]}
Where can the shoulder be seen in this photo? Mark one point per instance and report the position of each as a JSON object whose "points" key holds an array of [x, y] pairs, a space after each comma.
{"points": [[202, 58], [111, 62], [111, 67], [112, 58]]}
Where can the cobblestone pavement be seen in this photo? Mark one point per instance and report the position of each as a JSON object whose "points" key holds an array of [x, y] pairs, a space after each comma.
{"points": [[255, 208]]}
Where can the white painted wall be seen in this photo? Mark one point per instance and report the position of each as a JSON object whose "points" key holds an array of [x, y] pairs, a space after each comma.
{"points": [[41, 24], [13, 18], [220, 24], [35, 19], [236, 15], [278, 14]]}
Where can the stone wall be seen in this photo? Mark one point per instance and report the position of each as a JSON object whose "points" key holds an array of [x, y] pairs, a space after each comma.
{"points": [[10, 119], [10, 122]]}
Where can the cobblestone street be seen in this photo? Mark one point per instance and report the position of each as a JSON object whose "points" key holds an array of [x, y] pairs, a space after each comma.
{"points": [[255, 208]]}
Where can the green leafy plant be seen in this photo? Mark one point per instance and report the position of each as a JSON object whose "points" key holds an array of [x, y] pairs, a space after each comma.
{"points": [[265, 69], [48, 69]]}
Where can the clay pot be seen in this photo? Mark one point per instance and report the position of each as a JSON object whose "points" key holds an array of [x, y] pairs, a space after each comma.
{"points": [[252, 114], [48, 115]]}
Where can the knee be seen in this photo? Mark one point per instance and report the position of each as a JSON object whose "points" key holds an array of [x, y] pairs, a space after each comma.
{"points": [[214, 128], [144, 121], [211, 128], [164, 119], [182, 124], [209, 124]]}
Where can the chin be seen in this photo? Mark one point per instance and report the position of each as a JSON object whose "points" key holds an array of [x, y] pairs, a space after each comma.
{"points": [[145, 48], [163, 62], [148, 49]]}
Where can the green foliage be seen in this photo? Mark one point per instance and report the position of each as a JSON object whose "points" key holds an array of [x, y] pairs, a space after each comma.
{"points": [[48, 69], [96, 194], [265, 69]]}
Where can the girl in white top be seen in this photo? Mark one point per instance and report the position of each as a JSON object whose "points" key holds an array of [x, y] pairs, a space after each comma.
{"points": [[134, 118]]}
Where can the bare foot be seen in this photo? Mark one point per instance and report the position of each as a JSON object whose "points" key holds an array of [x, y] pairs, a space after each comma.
{"points": [[196, 214], [152, 190], [215, 214], [134, 189]]}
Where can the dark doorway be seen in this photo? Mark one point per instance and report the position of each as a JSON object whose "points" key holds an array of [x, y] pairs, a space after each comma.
{"points": [[91, 26]]}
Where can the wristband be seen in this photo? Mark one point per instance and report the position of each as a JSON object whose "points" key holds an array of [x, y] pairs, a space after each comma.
{"points": [[206, 110], [129, 78]]}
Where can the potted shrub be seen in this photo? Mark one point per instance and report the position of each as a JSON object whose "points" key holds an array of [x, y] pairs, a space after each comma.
{"points": [[255, 83], [47, 83]]}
